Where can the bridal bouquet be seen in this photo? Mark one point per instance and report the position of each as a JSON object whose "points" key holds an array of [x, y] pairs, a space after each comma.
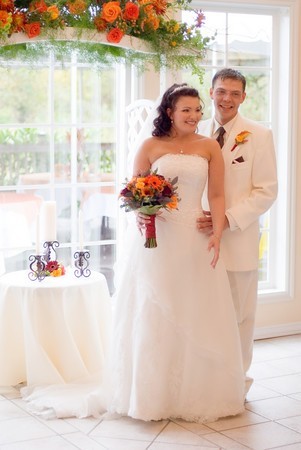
{"points": [[148, 194]]}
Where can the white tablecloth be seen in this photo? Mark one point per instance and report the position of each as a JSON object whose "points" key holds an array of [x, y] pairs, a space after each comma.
{"points": [[53, 331]]}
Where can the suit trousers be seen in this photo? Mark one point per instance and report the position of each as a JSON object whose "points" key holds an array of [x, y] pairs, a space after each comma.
{"points": [[244, 287]]}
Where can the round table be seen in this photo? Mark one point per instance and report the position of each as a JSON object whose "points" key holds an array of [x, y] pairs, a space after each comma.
{"points": [[53, 331]]}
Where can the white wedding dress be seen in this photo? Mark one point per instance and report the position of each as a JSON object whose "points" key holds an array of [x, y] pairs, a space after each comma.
{"points": [[175, 351]]}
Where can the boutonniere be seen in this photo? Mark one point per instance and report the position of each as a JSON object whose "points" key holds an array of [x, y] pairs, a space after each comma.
{"points": [[240, 138]]}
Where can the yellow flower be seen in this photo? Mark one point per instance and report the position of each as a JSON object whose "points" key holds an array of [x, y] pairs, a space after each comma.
{"points": [[57, 272], [53, 11]]}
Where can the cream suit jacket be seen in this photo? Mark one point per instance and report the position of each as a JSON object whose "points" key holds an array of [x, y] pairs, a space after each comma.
{"points": [[250, 190]]}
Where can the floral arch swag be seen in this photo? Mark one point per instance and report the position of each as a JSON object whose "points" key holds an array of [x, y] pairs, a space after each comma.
{"points": [[140, 32]]}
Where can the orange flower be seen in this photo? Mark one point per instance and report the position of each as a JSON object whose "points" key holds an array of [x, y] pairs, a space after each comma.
{"points": [[140, 183], [155, 182], [38, 5], [147, 6], [18, 21], [53, 11], [5, 19], [100, 23], [160, 6], [151, 23], [33, 29], [115, 35], [76, 6], [7, 5], [110, 12], [173, 204], [131, 11], [240, 138]]}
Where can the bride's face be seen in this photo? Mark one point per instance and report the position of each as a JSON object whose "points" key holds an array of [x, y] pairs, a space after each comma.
{"points": [[186, 114]]}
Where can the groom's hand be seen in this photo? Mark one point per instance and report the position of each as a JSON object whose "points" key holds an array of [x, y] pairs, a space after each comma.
{"points": [[204, 223]]}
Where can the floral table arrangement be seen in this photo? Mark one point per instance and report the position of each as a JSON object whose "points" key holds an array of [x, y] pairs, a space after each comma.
{"points": [[54, 269]]}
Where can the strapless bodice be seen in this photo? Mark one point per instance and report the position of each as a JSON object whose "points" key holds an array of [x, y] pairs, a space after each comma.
{"points": [[192, 173]]}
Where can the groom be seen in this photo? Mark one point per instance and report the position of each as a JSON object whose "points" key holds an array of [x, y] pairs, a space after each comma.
{"points": [[250, 190]]}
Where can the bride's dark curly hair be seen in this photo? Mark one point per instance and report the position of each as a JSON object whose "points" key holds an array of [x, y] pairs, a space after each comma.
{"points": [[162, 123]]}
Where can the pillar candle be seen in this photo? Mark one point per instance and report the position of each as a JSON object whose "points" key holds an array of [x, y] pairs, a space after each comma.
{"points": [[38, 235], [80, 230], [48, 223]]}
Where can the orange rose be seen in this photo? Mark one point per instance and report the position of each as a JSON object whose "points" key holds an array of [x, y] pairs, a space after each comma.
{"points": [[38, 5], [111, 11], [115, 35], [100, 23], [53, 11], [131, 11], [33, 29]]}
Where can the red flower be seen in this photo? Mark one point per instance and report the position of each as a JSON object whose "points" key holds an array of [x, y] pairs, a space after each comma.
{"points": [[131, 11], [115, 35], [33, 29], [51, 266]]}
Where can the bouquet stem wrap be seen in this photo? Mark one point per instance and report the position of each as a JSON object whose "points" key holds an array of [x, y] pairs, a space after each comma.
{"points": [[150, 233]]}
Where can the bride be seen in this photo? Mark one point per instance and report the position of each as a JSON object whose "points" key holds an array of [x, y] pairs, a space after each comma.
{"points": [[175, 344]]}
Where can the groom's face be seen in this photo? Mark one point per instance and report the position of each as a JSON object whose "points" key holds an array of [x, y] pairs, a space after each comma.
{"points": [[227, 96]]}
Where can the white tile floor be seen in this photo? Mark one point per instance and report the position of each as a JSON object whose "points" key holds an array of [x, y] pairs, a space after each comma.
{"points": [[272, 419]]}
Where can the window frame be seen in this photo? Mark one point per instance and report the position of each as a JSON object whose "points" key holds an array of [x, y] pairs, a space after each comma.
{"points": [[284, 82]]}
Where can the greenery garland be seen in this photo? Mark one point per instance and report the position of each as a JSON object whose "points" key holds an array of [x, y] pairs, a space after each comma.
{"points": [[30, 29]]}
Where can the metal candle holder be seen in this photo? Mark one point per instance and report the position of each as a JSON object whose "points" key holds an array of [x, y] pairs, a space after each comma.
{"points": [[50, 253], [82, 263], [37, 267]]}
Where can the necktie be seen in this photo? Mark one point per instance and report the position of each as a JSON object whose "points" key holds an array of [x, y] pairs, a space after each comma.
{"points": [[220, 137]]}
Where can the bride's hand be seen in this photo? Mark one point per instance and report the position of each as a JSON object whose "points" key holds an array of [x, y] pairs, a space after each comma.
{"points": [[143, 219], [214, 243]]}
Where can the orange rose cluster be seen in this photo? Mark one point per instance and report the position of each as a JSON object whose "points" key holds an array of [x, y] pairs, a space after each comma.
{"points": [[116, 18]]}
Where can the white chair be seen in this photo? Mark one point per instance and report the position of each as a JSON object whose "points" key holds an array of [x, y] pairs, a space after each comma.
{"points": [[137, 114]]}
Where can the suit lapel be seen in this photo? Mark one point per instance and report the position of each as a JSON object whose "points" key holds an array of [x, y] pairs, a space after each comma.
{"points": [[237, 127]]}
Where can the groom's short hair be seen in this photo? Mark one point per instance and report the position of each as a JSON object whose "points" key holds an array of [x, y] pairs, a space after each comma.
{"points": [[223, 74]]}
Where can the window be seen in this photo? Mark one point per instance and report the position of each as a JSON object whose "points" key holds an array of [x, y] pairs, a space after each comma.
{"points": [[60, 139], [256, 39]]}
